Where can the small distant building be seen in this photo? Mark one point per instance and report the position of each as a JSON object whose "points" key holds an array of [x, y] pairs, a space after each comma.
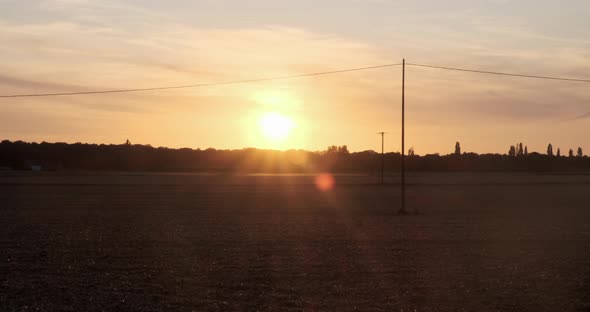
{"points": [[34, 165]]}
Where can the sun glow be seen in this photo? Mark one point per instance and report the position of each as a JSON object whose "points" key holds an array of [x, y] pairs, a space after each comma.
{"points": [[275, 126]]}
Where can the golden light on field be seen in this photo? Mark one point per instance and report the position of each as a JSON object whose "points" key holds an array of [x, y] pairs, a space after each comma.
{"points": [[275, 126]]}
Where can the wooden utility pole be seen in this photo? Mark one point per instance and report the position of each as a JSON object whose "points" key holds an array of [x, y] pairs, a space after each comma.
{"points": [[402, 209], [382, 156]]}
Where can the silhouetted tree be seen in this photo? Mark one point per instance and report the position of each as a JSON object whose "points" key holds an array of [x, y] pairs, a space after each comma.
{"points": [[571, 153], [558, 152], [512, 151], [127, 142], [337, 150], [580, 153], [457, 148], [343, 150], [520, 151], [550, 149], [411, 151], [526, 151], [332, 150]]}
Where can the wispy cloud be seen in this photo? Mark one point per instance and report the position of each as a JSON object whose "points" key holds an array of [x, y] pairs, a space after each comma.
{"points": [[583, 116], [8, 82]]}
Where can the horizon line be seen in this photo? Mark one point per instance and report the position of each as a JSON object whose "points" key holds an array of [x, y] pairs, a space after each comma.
{"points": [[273, 149]]}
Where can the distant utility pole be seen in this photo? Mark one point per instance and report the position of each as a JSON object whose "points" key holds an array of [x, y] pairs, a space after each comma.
{"points": [[402, 209], [382, 155]]}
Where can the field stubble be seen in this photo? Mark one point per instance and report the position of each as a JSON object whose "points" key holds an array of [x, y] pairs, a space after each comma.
{"points": [[151, 242]]}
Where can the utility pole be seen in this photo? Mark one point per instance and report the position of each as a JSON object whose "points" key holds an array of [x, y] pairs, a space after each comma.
{"points": [[382, 155], [402, 209]]}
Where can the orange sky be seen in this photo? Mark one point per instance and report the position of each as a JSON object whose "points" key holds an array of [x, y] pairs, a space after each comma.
{"points": [[74, 45]]}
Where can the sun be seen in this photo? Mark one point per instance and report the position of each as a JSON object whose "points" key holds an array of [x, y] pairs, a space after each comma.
{"points": [[275, 126]]}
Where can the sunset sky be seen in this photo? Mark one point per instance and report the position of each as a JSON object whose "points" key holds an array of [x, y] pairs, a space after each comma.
{"points": [[84, 45]]}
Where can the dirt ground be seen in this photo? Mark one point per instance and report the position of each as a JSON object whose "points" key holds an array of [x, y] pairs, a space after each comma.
{"points": [[182, 242]]}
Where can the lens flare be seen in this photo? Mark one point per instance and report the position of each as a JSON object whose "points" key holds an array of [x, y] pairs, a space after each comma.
{"points": [[324, 182]]}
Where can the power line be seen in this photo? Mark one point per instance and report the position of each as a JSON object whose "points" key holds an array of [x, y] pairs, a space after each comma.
{"points": [[499, 73], [200, 85], [295, 76]]}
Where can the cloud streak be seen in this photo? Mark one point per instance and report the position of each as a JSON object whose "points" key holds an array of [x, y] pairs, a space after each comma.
{"points": [[582, 116]]}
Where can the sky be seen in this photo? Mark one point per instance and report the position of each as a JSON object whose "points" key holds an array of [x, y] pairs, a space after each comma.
{"points": [[85, 45]]}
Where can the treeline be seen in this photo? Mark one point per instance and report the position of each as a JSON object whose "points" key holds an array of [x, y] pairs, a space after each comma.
{"points": [[20, 155]]}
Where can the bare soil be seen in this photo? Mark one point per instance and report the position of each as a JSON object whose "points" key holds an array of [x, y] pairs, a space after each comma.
{"points": [[182, 242]]}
